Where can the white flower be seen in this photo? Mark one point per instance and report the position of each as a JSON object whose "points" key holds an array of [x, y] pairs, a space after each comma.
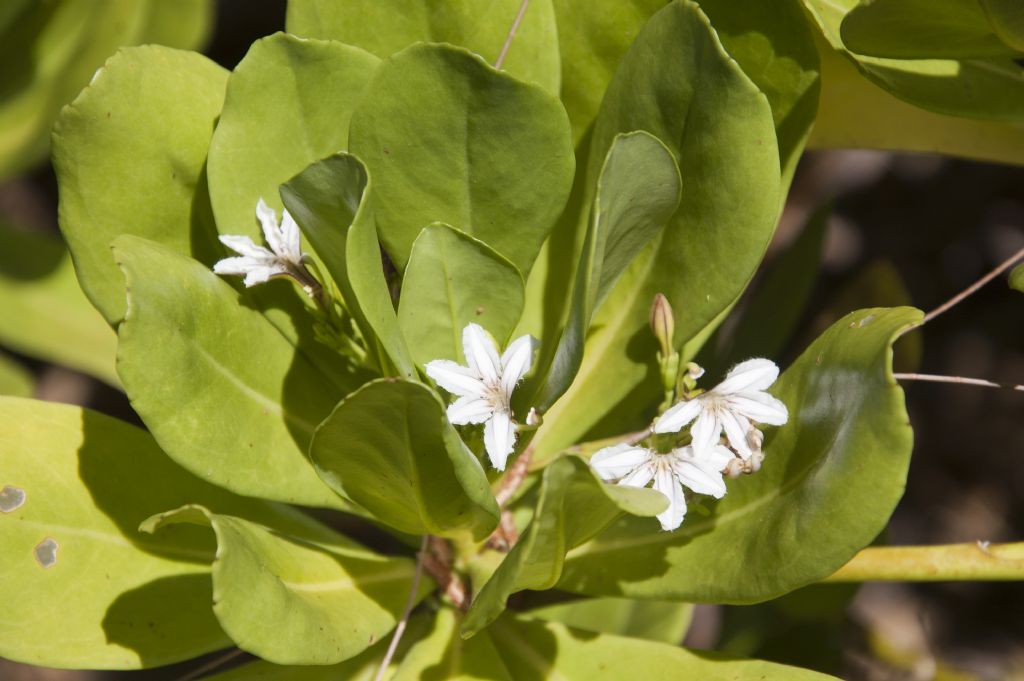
{"points": [[258, 264], [732, 406], [485, 387], [637, 466]]}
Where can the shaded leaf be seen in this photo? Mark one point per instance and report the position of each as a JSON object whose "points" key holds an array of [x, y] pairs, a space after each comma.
{"points": [[442, 655], [449, 139], [223, 392], [662, 621], [1007, 19], [389, 448], [327, 600], [15, 380], [829, 483]]}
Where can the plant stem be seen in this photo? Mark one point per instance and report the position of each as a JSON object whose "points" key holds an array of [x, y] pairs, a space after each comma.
{"points": [[962, 380], [511, 34], [1002, 267], [514, 477], [979, 561], [404, 621]]}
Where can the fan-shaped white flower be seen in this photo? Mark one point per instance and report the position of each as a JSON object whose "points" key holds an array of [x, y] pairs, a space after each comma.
{"points": [[485, 386], [637, 466], [258, 264], [733, 405]]}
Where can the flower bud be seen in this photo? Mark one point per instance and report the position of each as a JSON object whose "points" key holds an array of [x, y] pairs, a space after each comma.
{"points": [[663, 323]]}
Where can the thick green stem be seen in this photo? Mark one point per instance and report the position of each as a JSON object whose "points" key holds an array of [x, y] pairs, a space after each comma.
{"points": [[979, 561]]}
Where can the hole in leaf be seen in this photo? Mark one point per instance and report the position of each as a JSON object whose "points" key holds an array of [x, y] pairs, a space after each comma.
{"points": [[11, 498], [46, 552]]}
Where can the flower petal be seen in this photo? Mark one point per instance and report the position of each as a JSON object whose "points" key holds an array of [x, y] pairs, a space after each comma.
{"points": [[736, 427], [706, 431], [481, 353], [700, 476], [760, 407], [291, 239], [455, 378], [754, 374], [673, 420], [612, 463], [640, 476], [268, 221], [243, 245], [515, 362], [469, 409], [499, 438], [666, 483]]}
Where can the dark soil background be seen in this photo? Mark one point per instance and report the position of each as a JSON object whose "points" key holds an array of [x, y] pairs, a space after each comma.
{"points": [[935, 225]]}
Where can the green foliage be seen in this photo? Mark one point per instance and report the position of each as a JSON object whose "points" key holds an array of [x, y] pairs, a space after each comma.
{"points": [[1017, 278], [662, 621], [15, 380]]}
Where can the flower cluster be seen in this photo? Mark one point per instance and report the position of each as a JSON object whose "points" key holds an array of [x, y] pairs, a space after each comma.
{"points": [[733, 407]]}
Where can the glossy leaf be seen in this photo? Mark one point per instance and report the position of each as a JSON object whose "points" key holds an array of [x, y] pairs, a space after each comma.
{"points": [[774, 46], [442, 648], [637, 193], [536, 651], [288, 104], [389, 448], [720, 129], [829, 483], [113, 598], [452, 280], [45, 313], [387, 26], [448, 139], [1016, 280], [291, 601], [50, 50], [333, 203], [988, 89], [922, 29], [223, 392], [15, 380], [573, 506], [129, 154], [662, 621]]}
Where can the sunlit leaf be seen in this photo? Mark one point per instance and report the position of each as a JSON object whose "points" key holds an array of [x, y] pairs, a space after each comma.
{"points": [[662, 621]]}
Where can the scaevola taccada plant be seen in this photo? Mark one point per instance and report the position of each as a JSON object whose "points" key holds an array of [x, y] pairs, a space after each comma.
{"points": [[406, 275]]}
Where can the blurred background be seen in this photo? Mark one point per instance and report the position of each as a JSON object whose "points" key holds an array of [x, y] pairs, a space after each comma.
{"points": [[903, 229]]}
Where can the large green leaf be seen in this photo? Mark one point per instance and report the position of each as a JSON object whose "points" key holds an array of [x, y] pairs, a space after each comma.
{"points": [[442, 648], [389, 448], [1007, 20], [988, 89], [293, 601], [452, 280], [223, 392], [774, 46], [15, 380], [288, 104], [45, 313], [129, 154], [677, 83], [449, 139], [663, 621], [50, 50], [637, 193], [333, 203], [922, 29], [538, 651], [573, 506], [829, 483], [386, 26], [113, 598]]}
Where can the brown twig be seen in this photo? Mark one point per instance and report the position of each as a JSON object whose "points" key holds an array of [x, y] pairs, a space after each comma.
{"points": [[1002, 267], [409, 604], [514, 477], [962, 380], [511, 34], [437, 561]]}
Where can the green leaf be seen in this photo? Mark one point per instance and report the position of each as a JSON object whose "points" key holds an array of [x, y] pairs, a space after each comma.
{"points": [[1007, 19], [114, 598], [662, 621], [293, 601], [452, 280], [637, 192], [333, 202], [443, 649], [854, 112], [774, 46], [223, 392], [573, 506], [50, 50], [386, 26], [45, 313], [449, 139], [1016, 280], [829, 483], [537, 651], [389, 448], [129, 154], [15, 380], [987, 89], [719, 127], [922, 29], [288, 104]]}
